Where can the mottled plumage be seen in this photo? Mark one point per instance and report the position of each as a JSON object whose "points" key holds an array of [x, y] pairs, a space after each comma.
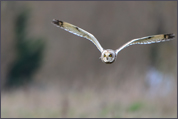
{"points": [[108, 56]]}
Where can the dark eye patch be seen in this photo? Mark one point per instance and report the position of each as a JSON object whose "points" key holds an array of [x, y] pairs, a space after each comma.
{"points": [[110, 55]]}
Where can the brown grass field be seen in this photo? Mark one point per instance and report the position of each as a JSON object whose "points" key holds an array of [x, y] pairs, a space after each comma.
{"points": [[54, 102]]}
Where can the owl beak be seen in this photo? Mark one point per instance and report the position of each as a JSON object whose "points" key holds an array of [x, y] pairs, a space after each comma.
{"points": [[107, 58]]}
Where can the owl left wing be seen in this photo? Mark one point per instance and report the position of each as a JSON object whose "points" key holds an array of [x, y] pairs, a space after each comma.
{"points": [[148, 40], [77, 31]]}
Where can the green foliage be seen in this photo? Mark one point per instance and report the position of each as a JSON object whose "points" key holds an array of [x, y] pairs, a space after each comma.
{"points": [[105, 111], [135, 107], [29, 54], [111, 111]]}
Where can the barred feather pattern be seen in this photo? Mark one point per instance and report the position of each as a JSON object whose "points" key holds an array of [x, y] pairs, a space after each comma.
{"points": [[82, 33], [148, 40], [77, 31]]}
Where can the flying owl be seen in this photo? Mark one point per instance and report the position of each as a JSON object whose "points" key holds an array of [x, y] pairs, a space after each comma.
{"points": [[108, 56]]}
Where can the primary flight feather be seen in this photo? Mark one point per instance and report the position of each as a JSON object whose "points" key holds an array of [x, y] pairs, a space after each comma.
{"points": [[108, 56]]}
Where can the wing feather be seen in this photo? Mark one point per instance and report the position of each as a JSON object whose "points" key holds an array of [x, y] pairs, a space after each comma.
{"points": [[77, 31], [148, 40]]}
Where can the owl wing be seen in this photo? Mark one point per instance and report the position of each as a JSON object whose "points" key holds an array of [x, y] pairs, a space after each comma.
{"points": [[77, 31], [148, 40]]}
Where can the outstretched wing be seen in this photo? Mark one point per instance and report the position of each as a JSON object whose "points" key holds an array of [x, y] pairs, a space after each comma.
{"points": [[77, 31], [148, 40]]}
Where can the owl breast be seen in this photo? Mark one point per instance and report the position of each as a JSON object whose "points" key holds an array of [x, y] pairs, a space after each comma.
{"points": [[109, 62]]}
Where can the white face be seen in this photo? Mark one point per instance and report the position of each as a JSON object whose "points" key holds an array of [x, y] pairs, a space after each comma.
{"points": [[108, 56]]}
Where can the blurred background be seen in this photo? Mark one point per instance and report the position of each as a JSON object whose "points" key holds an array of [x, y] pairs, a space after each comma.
{"points": [[48, 72]]}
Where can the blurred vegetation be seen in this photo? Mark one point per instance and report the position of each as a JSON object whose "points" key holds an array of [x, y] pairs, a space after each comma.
{"points": [[29, 53], [49, 105], [135, 107], [71, 81]]}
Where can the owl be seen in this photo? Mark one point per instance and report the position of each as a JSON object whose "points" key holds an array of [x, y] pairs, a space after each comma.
{"points": [[108, 56]]}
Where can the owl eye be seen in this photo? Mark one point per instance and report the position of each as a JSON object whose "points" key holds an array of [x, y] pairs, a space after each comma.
{"points": [[110, 55], [104, 55]]}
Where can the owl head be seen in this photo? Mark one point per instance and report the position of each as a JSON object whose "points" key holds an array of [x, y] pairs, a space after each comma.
{"points": [[108, 56]]}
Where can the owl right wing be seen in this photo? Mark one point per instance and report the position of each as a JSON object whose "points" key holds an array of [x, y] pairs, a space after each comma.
{"points": [[148, 40], [77, 31]]}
